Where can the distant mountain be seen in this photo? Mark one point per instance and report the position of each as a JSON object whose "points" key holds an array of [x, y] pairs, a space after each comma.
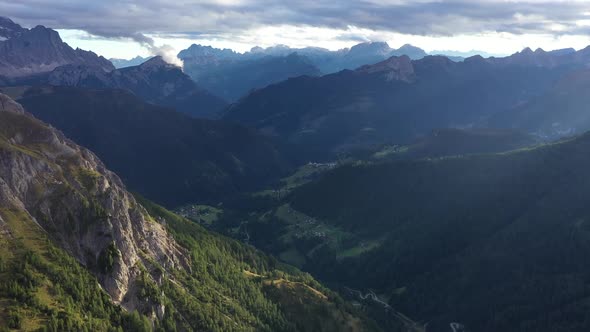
{"points": [[561, 111], [203, 55], [154, 81], [233, 75], [462, 55], [80, 253], [392, 102], [162, 154], [491, 242], [123, 63], [233, 79], [411, 51], [333, 61], [541, 58], [25, 52]]}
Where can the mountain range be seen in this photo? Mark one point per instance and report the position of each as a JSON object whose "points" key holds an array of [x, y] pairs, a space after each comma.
{"points": [[154, 81], [391, 102], [231, 79], [232, 75]]}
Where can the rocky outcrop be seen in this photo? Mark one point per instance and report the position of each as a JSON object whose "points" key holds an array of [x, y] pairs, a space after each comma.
{"points": [[392, 69], [25, 52], [84, 207]]}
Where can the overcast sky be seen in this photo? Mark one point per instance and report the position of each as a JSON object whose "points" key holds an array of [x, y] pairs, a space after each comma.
{"points": [[125, 28]]}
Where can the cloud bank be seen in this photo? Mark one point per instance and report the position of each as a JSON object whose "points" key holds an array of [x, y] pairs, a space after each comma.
{"points": [[112, 18], [224, 19]]}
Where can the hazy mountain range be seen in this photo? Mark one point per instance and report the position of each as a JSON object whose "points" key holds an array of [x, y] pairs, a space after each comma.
{"points": [[122, 63], [398, 100]]}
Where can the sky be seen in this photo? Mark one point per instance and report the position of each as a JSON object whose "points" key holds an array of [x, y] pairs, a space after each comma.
{"points": [[126, 28]]}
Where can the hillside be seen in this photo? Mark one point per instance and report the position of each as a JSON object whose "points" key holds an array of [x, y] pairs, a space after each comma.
{"points": [[494, 242], [67, 222], [453, 142], [561, 111], [165, 155], [393, 102]]}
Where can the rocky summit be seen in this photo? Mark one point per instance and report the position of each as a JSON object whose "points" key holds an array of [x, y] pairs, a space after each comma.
{"points": [[38, 50]]}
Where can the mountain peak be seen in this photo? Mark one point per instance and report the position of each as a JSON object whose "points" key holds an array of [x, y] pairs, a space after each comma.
{"points": [[39, 50], [395, 69], [6, 21], [196, 51], [408, 47], [9, 105], [8, 28], [372, 46], [156, 62], [412, 51]]}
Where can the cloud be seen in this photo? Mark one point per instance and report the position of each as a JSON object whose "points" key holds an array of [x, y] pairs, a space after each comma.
{"points": [[167, 52], [339, 21], [416, 17]]}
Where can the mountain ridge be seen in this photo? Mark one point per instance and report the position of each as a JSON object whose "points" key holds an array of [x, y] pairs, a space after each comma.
{"points": [[39, 50], [155, 81]]}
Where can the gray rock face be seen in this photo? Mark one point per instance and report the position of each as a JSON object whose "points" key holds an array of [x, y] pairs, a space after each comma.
{"points": [[25, 52], [392, 69], [82, 205], [9, 29]]}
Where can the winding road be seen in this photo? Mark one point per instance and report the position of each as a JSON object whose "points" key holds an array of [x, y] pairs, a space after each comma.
{"points": [[370, 295], [410, 324]]}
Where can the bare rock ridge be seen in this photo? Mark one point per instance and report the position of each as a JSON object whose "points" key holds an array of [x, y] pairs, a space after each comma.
{"points": [[25, 52], [393, 69], [84, 207]]}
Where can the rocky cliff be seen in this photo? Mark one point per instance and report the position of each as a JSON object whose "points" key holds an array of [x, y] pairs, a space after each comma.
{"points": [[25, 52], [83, 206]]}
